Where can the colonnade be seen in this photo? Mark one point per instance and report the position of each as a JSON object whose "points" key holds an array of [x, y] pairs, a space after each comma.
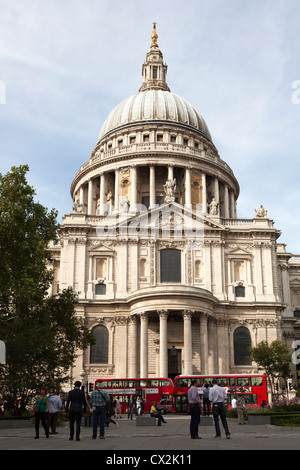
{"points": [[206, 335], [87, 192]]}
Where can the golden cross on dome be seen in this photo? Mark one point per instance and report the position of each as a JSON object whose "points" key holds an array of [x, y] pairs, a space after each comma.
{"points": [[154, 36]]}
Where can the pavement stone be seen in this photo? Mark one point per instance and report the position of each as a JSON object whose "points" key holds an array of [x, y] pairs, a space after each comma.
{"points": [[171, 438]]}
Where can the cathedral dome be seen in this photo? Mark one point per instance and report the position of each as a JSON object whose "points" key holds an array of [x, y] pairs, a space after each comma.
{"points": [[157, 105]]}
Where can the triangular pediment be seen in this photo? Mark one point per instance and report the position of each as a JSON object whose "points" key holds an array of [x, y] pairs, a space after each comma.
{"points": [[238, 252], [101, 247], [158, 222], [174, 210]]}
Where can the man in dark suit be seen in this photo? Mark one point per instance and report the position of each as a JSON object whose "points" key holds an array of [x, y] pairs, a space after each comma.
{"points": [[75, 406]]}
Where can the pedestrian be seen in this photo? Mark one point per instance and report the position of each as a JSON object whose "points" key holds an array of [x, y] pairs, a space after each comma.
{"points": [[110, 412], [217, 395], [88, 415], [138, 406], [130, 406], [194, 404], [118, 409], [41, 411], [55, 405], [75, 407], [233, 402], [240, 405], [156, 414], [99, 399], [206, 407]]}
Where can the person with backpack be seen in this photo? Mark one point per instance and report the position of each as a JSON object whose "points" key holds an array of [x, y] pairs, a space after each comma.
{"points": [[99, 399]]}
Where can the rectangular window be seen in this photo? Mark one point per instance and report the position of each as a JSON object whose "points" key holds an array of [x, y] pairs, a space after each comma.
{"points": [[154, 383], [170, 265], [256, 381], [242, 381], [154, 72], [146, 138], [100, 289], [132, 140]]}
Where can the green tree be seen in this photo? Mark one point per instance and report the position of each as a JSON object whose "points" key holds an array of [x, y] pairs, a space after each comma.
{"points": [[41, 332], [274, 360]]}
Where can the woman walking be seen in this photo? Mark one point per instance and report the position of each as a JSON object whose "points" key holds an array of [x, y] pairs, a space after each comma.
{"points": [[41, 412]]}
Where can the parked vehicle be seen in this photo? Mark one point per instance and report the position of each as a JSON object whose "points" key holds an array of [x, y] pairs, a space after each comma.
{"points": [[165, 406]]}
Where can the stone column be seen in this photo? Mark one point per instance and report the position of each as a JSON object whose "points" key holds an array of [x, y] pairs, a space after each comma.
{"points": [[212, 347], [144, 346], [217, 193], [204, 194], [90, 196], [102, 206], [188, 351], [203, 344], [132, 347], [188, 191], [258, 270], [116, 199], [223, 342], [163, 343], [133, 188], [232, 205], [152, 194], [81, 195], [170, 172], [226, 202]]}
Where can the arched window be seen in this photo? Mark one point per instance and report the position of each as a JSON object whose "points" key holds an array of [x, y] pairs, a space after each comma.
{"points": [[170, 265], [242, 343], [99, 351]]}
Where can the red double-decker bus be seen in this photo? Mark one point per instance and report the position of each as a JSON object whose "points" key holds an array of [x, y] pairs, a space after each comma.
{"points": [[252, 387], [147, 389]]}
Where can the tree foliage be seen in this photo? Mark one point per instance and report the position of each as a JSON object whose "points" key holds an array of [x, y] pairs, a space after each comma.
{"points": [[274, 360], [41, 332]]}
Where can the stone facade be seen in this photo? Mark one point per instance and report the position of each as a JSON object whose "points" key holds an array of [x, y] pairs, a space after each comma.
{"points": [[169, 301]]}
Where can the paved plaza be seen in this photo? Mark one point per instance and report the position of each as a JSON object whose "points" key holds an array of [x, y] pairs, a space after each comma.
{"points": [[173, 436]]}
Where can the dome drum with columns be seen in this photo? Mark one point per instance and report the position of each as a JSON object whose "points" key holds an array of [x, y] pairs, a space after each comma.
{"points": [[148, 299]]}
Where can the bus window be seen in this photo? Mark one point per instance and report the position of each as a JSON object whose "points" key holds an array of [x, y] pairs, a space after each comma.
{"points": [[164, 383], [129, 383], [142, 383], [221, 381], [231, 381], [181, 383], [103, 382], [206, 380], [115, 384], [242, 381], [154, 383], [250, 398], [256, 381]]}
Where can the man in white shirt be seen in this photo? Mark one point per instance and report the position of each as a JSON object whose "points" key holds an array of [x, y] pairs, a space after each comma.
{"points": [[217, 395]]}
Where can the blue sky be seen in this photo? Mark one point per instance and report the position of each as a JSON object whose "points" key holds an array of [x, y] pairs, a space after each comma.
{"points": [[64, 65]]}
